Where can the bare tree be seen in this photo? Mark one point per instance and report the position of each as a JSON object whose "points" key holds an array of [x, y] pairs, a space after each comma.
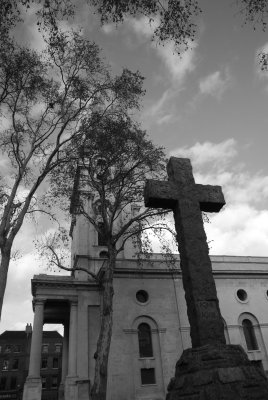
{"points": [[44, 98], [116, 159]]}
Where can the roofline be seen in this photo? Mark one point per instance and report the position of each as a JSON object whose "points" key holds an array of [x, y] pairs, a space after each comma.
{"points": [[213, 257]]}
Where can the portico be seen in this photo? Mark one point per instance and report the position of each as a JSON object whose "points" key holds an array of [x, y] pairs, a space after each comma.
{"points": [[56, 301]]}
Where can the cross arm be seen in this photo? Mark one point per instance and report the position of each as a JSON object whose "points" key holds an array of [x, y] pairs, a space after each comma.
{"points": [[210, 197], [160, 194]]}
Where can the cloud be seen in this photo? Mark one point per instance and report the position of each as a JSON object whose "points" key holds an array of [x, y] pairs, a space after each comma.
{"points": [[18, 291], [214, 163], [205, 153], [215, 84], [239, 230], [157, 107], [27, 31], [179, 66], [165, 119], [241, 227], [163, 110], [21, 271], [109, 29], [143, 27], [4, 164], [174, 69]]}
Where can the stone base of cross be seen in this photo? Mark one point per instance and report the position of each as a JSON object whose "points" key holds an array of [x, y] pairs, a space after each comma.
{"points": [[217, 372], [211, 370]]}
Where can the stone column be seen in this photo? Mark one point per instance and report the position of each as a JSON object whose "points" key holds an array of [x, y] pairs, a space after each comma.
{"points": [[35, 356], [33, 384], [70, 387], [65, 350], [64, 362], [72, 340]]}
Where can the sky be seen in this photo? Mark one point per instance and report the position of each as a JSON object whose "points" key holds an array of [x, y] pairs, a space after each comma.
{"points": [[209, 105]]}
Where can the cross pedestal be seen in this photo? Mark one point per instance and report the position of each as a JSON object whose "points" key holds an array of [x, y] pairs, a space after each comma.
{"points": [[210, 370]]}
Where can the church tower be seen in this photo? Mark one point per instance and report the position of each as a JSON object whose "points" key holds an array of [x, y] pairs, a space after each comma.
{"points": [[89, 248]]}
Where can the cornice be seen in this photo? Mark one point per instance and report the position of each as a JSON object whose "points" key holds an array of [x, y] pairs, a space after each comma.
{"points": [[60, 284], [233, 261], [121, 272], [177, 272]]}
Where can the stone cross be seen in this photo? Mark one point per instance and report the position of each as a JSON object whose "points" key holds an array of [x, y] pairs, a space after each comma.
{"points": [[187, 199]]}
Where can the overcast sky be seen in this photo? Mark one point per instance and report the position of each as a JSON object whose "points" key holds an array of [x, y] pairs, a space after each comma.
{"points": [[210, 105]]}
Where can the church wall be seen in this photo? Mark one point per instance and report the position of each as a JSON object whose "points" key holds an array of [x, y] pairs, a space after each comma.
{"points": [[165, 311], [255, 305], [231, 275], [161, 310], [167, 307], [256, 302], [88, 325], [184, 326]]}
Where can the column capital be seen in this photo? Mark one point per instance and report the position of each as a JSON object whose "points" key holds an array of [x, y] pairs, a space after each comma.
{"points": [[73, 302], [38, 302]]}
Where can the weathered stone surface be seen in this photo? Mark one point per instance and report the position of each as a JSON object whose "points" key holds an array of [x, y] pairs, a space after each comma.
{"points": [[220, 372], [187, 199], [231, 374]]}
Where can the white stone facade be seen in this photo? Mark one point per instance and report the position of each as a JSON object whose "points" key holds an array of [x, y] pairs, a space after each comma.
{"points": [[75, 301]]}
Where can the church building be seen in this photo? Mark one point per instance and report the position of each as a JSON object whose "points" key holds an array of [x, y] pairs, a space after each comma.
{"points": [[150, 323]]}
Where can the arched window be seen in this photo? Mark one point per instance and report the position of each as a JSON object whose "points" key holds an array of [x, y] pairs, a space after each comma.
{"points": [[145, 340], [104, 254], [249, 334]]}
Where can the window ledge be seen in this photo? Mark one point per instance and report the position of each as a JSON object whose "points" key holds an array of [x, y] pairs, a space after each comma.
{"points": [[149, 384], [254, 351]]}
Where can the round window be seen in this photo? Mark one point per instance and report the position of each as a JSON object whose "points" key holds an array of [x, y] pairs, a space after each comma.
{"points": [[242, 295], [142, 296]]}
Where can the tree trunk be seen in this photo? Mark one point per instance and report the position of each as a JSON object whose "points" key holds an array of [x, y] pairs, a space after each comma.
{"points": [[5, 260], [99, 388]]}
